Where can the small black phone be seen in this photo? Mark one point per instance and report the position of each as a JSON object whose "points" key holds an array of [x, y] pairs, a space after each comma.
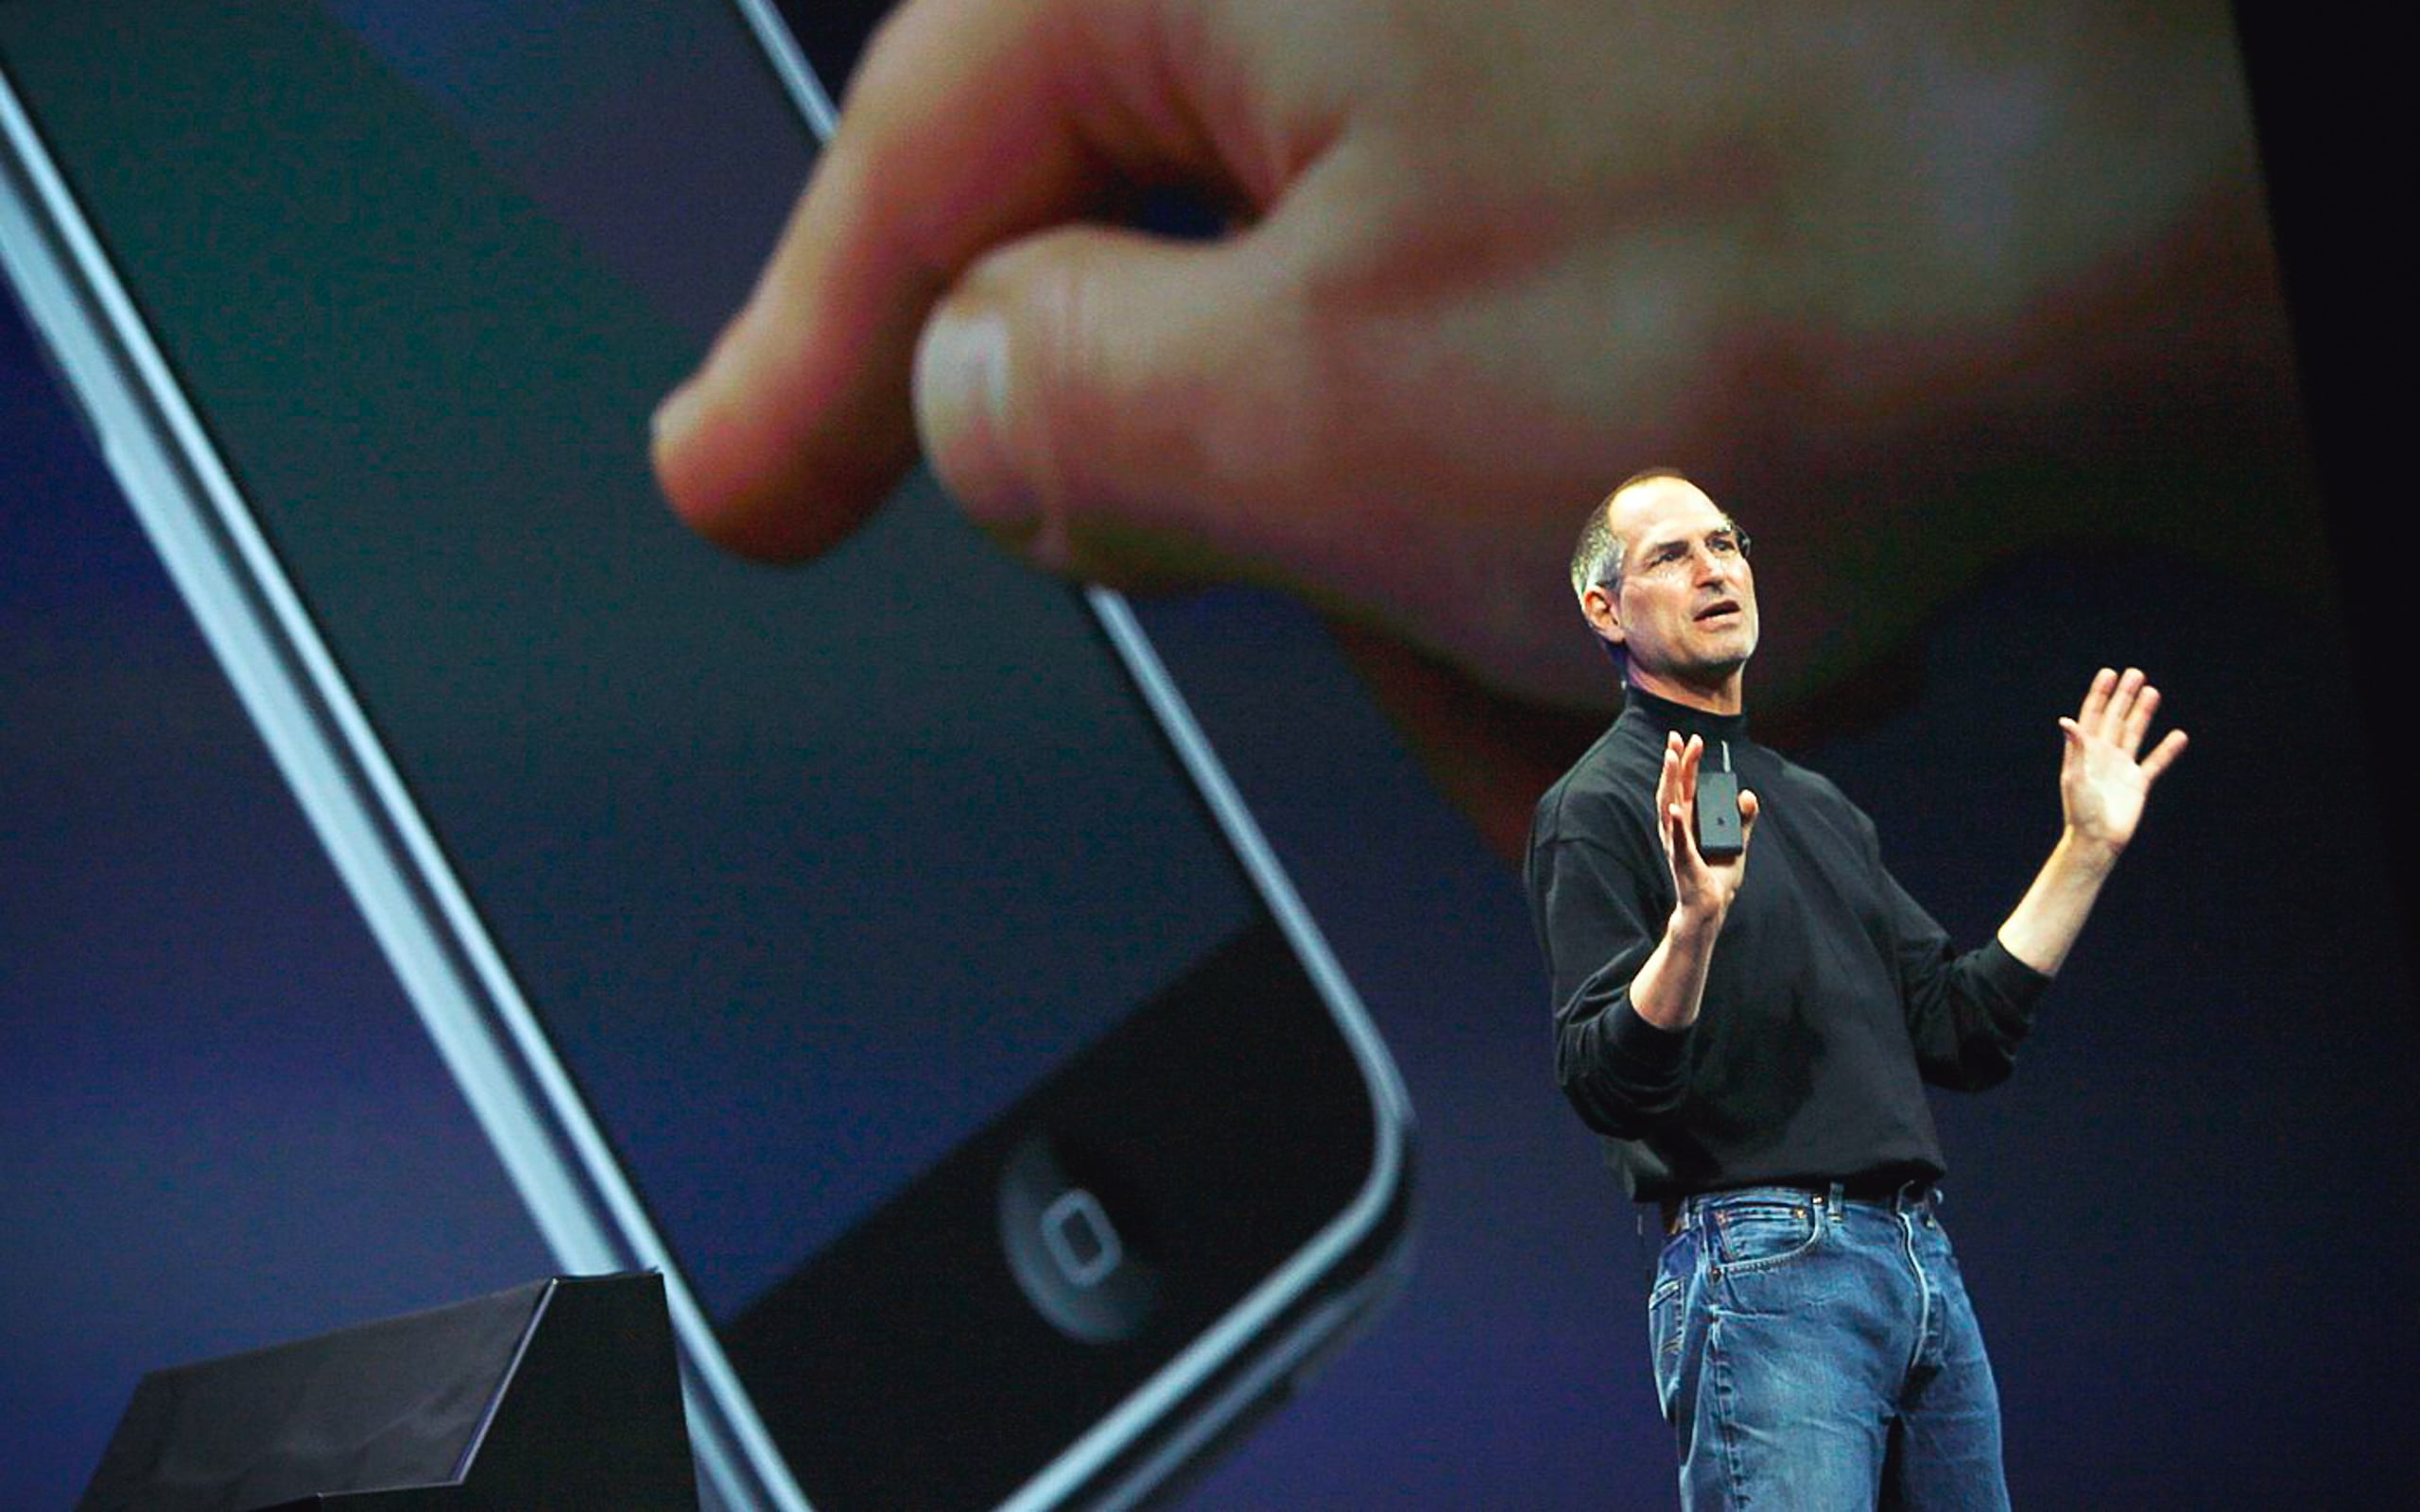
{"points": [[876, 948], [1719, 838]]}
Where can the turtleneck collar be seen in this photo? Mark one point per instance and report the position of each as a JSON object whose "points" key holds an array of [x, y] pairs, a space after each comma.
{"points": [[1666, 714]]}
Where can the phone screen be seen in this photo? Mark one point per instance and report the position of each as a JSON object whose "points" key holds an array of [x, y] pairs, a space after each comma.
{"points": [[809, 873]]}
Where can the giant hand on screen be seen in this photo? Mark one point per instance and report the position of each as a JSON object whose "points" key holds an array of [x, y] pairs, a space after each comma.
{"points": [[1484, 259]]}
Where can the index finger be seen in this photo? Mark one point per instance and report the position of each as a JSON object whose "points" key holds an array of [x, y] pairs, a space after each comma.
{"points": [[2095, 699], [969, 125]]}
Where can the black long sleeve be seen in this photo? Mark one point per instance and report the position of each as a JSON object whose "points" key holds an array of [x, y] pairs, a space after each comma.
{"points": [[1830, 998], [1598, 927]]}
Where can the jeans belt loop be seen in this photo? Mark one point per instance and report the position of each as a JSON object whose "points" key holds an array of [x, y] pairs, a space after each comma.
{"points": [[1833, 1199]]}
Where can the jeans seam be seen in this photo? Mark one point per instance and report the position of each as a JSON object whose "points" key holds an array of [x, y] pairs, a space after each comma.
{"points": [[1735, 1476], [1675, 1294]]}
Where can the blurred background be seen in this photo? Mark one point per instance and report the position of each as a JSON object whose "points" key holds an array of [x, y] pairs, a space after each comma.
{"points": [[2184, 1221]]}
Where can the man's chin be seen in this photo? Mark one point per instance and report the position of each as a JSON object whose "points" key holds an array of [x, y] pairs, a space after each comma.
{"points": [[1720, 660]]}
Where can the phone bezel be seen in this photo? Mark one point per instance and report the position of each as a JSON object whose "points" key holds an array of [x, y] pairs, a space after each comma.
{"points": [[490, 1039]]}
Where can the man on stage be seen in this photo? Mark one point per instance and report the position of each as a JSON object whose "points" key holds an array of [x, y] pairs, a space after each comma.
{"points": [[1748, 1022]]}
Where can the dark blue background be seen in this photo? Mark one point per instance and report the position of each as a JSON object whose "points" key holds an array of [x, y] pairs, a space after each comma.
{"points": [[2187, 1221]]}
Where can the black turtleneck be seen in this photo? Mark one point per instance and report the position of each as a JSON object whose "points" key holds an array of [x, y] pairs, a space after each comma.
{"points": [[1830, 996]]}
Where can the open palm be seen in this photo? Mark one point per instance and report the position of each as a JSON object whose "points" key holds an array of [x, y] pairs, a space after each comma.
{"points": [[2102, 784]]}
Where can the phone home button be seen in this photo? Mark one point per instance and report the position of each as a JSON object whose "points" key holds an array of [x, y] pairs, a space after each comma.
{"points": [[1081, 1238], [1066, 1251]]}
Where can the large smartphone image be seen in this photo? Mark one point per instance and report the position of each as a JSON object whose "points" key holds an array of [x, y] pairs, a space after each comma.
{"points": [[874, 948]]}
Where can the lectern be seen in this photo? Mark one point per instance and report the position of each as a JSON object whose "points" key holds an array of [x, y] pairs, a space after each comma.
{"points": [[562, 1394]]}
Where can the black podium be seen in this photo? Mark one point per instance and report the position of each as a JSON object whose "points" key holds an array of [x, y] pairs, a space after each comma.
{"points": [[562, 1394]]}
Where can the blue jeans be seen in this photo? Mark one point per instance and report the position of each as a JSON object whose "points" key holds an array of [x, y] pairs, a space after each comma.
{"points": [[1820, 1353]]}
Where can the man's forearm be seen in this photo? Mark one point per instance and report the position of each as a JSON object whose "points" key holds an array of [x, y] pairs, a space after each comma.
{"points": [[2047, 921], [1669, 988]]}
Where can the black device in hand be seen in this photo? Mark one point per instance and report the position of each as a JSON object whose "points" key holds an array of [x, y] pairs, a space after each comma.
{"points": [[1718, 831]]}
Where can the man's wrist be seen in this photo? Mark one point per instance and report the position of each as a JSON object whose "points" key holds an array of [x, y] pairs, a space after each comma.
{"points": [[1695, 928], [2089, 854]]}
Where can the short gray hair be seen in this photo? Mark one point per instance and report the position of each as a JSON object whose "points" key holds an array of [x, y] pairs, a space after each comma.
{"points": [[1597, 559]]}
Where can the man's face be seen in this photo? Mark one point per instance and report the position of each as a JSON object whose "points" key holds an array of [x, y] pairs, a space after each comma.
{"points": [[1684, 608]]}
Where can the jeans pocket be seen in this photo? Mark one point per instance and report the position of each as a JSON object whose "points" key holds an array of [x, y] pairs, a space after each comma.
{"points": [[1757, 1235]]}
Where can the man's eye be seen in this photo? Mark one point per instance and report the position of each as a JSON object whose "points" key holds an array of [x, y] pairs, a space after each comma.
{"points": [[1721, 545]]}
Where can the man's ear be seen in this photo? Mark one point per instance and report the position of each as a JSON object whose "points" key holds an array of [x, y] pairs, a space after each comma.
{"points": [[1604, 612]]}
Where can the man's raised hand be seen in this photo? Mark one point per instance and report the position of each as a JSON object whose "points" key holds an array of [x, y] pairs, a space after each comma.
{"points": [[1702, 888], [2102, 787]]}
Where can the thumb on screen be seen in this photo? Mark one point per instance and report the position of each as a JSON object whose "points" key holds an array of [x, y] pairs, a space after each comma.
{"points": [[1102, 401]]}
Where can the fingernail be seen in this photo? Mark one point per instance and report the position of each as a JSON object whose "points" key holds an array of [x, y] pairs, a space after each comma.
{"points": [[675, 415], [961, 414]]}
